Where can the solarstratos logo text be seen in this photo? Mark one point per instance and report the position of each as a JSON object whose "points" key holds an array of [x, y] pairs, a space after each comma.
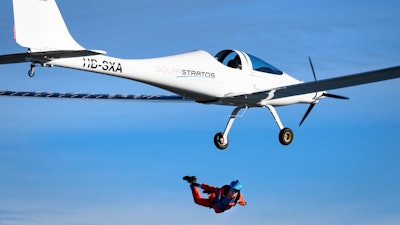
{"points": [[194, 73], [181, 73]]}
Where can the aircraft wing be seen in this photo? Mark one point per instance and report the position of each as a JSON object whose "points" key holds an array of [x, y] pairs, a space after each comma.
{"points": [[152, 98], [324, 85]]}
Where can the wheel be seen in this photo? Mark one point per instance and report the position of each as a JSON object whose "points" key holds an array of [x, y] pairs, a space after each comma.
{"points": [[31, 71], [286, 136], [219, 141]]}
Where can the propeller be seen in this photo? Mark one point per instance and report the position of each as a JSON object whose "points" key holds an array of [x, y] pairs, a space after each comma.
{"points": [[312, 68], [324, 94], [335, 96]]}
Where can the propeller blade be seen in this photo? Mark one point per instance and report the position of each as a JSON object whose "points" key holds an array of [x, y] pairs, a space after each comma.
{"points": [[335, 96], [308, 111], [312, 68]]}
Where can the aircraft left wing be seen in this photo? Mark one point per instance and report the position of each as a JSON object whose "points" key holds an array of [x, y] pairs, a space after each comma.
{"points": [[153, 98], [324, 85]]}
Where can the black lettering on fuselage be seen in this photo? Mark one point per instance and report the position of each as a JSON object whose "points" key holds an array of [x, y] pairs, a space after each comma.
{"points": [[93, 63], [195, 73], [105, 65]]}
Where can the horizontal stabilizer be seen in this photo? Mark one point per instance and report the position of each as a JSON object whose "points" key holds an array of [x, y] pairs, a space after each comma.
{"points": [[43, 57], [152, 98]]}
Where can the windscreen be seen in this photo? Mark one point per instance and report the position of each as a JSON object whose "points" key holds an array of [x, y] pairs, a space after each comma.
{"points": [[262, 66]]}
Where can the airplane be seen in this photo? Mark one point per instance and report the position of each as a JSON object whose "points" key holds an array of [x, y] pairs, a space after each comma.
{"points": [[231, 77]]}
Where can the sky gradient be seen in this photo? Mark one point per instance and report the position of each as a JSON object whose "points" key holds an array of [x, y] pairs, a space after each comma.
{"points": [[75, 162]]}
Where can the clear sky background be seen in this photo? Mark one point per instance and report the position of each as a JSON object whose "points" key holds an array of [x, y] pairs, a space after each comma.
{"points": [[75, 162]]}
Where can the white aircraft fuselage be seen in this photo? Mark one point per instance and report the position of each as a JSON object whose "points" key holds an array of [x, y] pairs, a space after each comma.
{"points": [[196, 75]]}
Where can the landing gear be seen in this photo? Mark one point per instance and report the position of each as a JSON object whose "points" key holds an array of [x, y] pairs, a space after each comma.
{"points": [[285, 134], [31, 71], [221, 138]]}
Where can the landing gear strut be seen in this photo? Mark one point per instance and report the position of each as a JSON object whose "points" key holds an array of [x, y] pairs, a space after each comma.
{"points": [[221, 139], [285, 134]]}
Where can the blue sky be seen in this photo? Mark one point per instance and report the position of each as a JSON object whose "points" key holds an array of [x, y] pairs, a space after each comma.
{"points": [[100, 162]]}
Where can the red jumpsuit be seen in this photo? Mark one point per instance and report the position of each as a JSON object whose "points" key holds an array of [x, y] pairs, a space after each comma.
{"points": [[216, 196]]}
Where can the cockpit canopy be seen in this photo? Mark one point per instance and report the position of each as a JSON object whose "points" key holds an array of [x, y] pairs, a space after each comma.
{"points": [[241, 60]]}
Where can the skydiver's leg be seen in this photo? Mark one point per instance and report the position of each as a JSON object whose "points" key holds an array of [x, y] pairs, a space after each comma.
{"points": [[198, 199]]}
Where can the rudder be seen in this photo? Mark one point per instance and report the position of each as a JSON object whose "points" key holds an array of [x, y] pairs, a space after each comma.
{"points": [[39, 26]]}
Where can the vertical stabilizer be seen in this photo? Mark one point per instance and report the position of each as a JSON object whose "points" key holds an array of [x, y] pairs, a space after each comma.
{"points": [[40, 26]]}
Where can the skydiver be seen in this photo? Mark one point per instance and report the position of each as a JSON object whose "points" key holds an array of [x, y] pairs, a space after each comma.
{"points": [[219, 199]]}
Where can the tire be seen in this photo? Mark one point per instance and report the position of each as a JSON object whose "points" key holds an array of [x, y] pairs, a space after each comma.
{"points": [[286, 136], [219, 141]]}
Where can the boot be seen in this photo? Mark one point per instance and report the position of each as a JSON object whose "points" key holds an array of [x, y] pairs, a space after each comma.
{"points": [[192, 180]]}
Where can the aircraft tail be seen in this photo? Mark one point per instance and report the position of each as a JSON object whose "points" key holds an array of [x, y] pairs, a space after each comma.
{"points": [[40, 27]]}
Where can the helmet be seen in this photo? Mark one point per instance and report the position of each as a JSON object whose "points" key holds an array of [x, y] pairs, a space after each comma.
{"points": [[236, 185]]}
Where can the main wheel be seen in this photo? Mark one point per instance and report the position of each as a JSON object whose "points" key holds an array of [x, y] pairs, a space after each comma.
{"points": [[286, 136], [219, 141]]}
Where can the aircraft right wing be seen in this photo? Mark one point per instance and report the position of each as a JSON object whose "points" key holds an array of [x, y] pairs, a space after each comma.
{"points": [[338, 82], [320, 85]]}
